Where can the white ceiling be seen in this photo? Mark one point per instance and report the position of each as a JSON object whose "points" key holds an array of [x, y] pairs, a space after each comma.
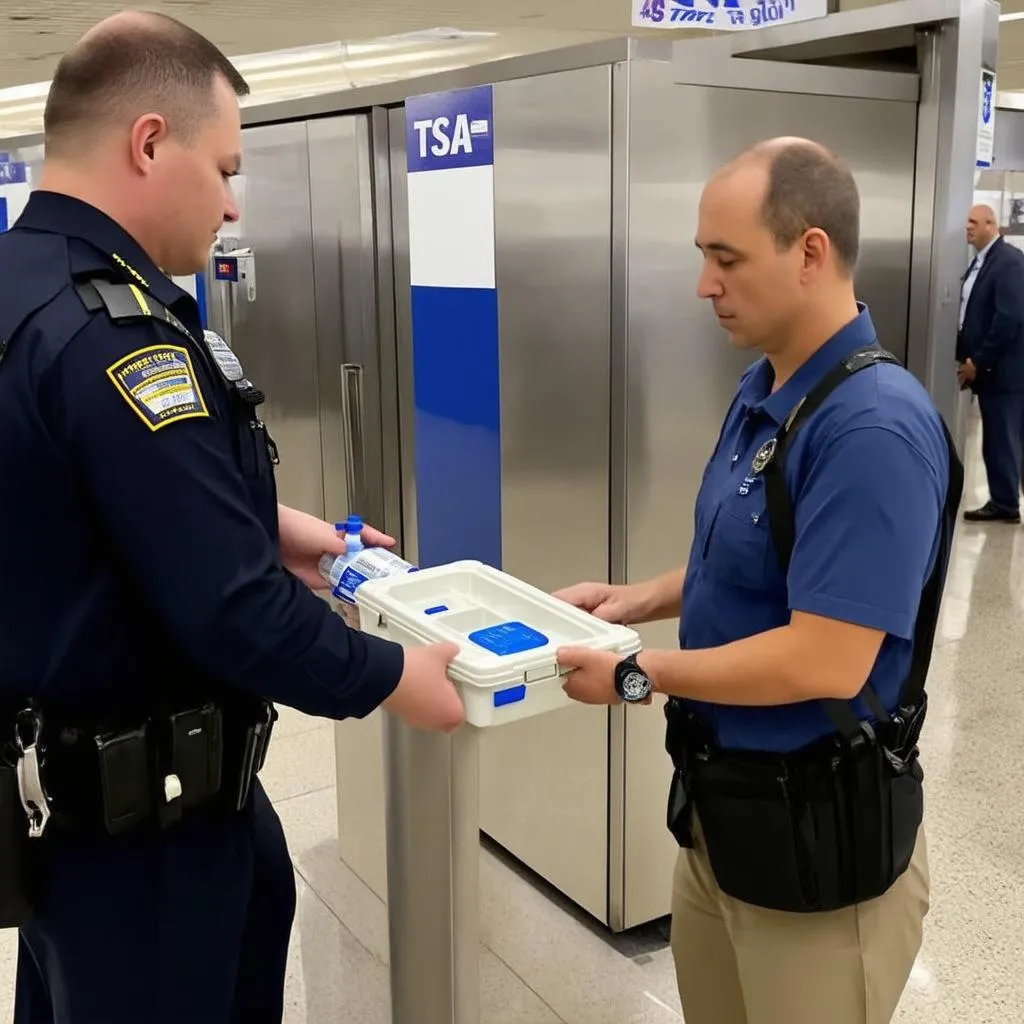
{"points": [[34, 33]]}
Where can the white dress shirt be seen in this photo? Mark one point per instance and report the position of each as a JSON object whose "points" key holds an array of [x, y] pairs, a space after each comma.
{"points": [[972, 276]]}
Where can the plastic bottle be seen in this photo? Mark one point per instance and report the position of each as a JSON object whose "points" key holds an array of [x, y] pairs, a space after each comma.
{"points": [[348, 572]]}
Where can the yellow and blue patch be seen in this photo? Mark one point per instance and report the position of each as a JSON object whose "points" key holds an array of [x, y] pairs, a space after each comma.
{"points": [[160, 385]]}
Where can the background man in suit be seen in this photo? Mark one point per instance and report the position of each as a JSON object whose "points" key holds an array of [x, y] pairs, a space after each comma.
{"points": [[990, 350]]}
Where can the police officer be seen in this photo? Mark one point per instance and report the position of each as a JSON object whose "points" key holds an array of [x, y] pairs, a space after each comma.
{"points": [[823, 526], [156, 598]]}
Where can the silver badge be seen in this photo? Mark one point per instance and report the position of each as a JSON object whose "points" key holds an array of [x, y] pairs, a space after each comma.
{"points": [[763, 456], [225, 358]]}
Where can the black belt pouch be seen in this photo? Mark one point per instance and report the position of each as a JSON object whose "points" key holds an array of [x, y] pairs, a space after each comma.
{"points": [[809, 835], [750, 819], [16, 877]]}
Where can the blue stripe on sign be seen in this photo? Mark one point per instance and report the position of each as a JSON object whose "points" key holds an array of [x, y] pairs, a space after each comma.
{"points": [[457, 424], [3, 213]]}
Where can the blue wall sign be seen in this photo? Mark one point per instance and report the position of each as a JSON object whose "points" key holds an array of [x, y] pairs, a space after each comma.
{"points": [[445, 130], [986, 135], [450, 156], [13, 173]]}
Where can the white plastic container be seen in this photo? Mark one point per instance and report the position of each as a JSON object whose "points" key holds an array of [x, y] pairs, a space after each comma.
{"points": [[508, 633]]}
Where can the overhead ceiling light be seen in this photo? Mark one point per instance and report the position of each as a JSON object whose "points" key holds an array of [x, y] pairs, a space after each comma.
{"points": [[435, 35]]}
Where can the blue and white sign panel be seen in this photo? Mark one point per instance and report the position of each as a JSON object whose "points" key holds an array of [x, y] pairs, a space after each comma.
{"points": [[450, 163], [986, 120], [724, 15], [15, 186]]}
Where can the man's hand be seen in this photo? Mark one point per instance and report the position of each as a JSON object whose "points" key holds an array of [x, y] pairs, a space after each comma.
{"points": [[620, 605], [304, 538], [591, 678], [425, 697], [967, 373]]}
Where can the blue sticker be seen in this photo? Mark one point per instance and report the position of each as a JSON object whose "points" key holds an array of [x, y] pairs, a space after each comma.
{"points": [[225, 268], [436, 610], [159, 385], [450, 129], [510, 695], [351, 580], [508, 638], [3, 214], [13, 173]]}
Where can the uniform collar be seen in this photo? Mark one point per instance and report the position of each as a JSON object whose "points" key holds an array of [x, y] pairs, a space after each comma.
{"points": [[59, 214], [858, 333]]}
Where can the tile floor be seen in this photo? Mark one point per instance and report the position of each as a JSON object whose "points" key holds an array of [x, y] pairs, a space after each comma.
{"points": [[541, 965]]}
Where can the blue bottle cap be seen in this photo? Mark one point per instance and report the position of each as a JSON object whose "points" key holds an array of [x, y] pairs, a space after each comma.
{"points": [[354, 525]]}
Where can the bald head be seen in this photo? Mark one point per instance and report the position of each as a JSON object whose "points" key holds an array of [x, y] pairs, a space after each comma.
{"points": [[982, 226], [132, 64], [804, 186]]}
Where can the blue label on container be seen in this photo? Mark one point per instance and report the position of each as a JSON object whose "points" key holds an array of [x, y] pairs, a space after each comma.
{"points": [[436, 610], [508, 638], [511, 695]]}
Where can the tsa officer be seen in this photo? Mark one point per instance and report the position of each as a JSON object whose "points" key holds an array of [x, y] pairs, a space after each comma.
{"points": [[156, 597], [801, 886], [990, 351]]}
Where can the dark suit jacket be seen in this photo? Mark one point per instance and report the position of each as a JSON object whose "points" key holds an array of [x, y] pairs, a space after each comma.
{"points": [[992, 336]]}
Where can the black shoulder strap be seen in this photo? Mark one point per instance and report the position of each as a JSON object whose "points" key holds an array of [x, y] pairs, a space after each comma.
{"points": [[782, 525], [127, 303]]}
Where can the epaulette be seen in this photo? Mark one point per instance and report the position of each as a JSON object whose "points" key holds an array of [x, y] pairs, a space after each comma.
{"points": [[126, 303]]}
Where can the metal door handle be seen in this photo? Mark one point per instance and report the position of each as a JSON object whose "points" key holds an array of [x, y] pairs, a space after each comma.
{"points": [[352, 435]]}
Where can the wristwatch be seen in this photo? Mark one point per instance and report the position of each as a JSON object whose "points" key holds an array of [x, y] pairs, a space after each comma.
{"points": [[632, 683]]}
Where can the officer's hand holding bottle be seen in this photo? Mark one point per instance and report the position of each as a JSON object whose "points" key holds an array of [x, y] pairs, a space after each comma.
{"points": [[425, 696]]}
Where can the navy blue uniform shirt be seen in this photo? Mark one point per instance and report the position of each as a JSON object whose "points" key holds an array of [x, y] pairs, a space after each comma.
{"points": [[867, 474], [138, 526]]}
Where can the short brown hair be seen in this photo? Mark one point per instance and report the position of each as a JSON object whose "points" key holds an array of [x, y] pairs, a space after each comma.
{"points": [[132, 64], [810, 187]]}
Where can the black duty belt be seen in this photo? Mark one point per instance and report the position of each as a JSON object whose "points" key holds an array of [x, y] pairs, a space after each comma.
{"points": [[148, 773]]}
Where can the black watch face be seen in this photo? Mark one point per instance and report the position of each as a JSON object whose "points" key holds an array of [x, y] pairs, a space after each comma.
{"points": [[635, 686]]}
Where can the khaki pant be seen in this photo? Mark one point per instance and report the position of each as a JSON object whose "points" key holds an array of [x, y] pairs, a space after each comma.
{"points": [[740, 964]]}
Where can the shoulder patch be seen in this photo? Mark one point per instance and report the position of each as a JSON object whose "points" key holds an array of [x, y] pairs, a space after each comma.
{"points": [[225, 359], [159, 384]]}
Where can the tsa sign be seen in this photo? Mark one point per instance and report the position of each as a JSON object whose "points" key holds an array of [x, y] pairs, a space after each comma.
{"points": [[13, 173], [15, 187], [986, 120], [450, 129], [724, 15]]}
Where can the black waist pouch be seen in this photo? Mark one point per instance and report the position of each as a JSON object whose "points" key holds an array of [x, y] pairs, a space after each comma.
{"points": [[17, 878], [809, 833]]}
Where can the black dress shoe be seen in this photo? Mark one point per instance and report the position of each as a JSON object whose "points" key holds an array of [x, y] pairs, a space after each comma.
{"points": [[989, 513]]}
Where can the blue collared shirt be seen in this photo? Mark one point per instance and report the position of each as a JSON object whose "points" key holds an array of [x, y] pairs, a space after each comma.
{"points": [[867, 474]]}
